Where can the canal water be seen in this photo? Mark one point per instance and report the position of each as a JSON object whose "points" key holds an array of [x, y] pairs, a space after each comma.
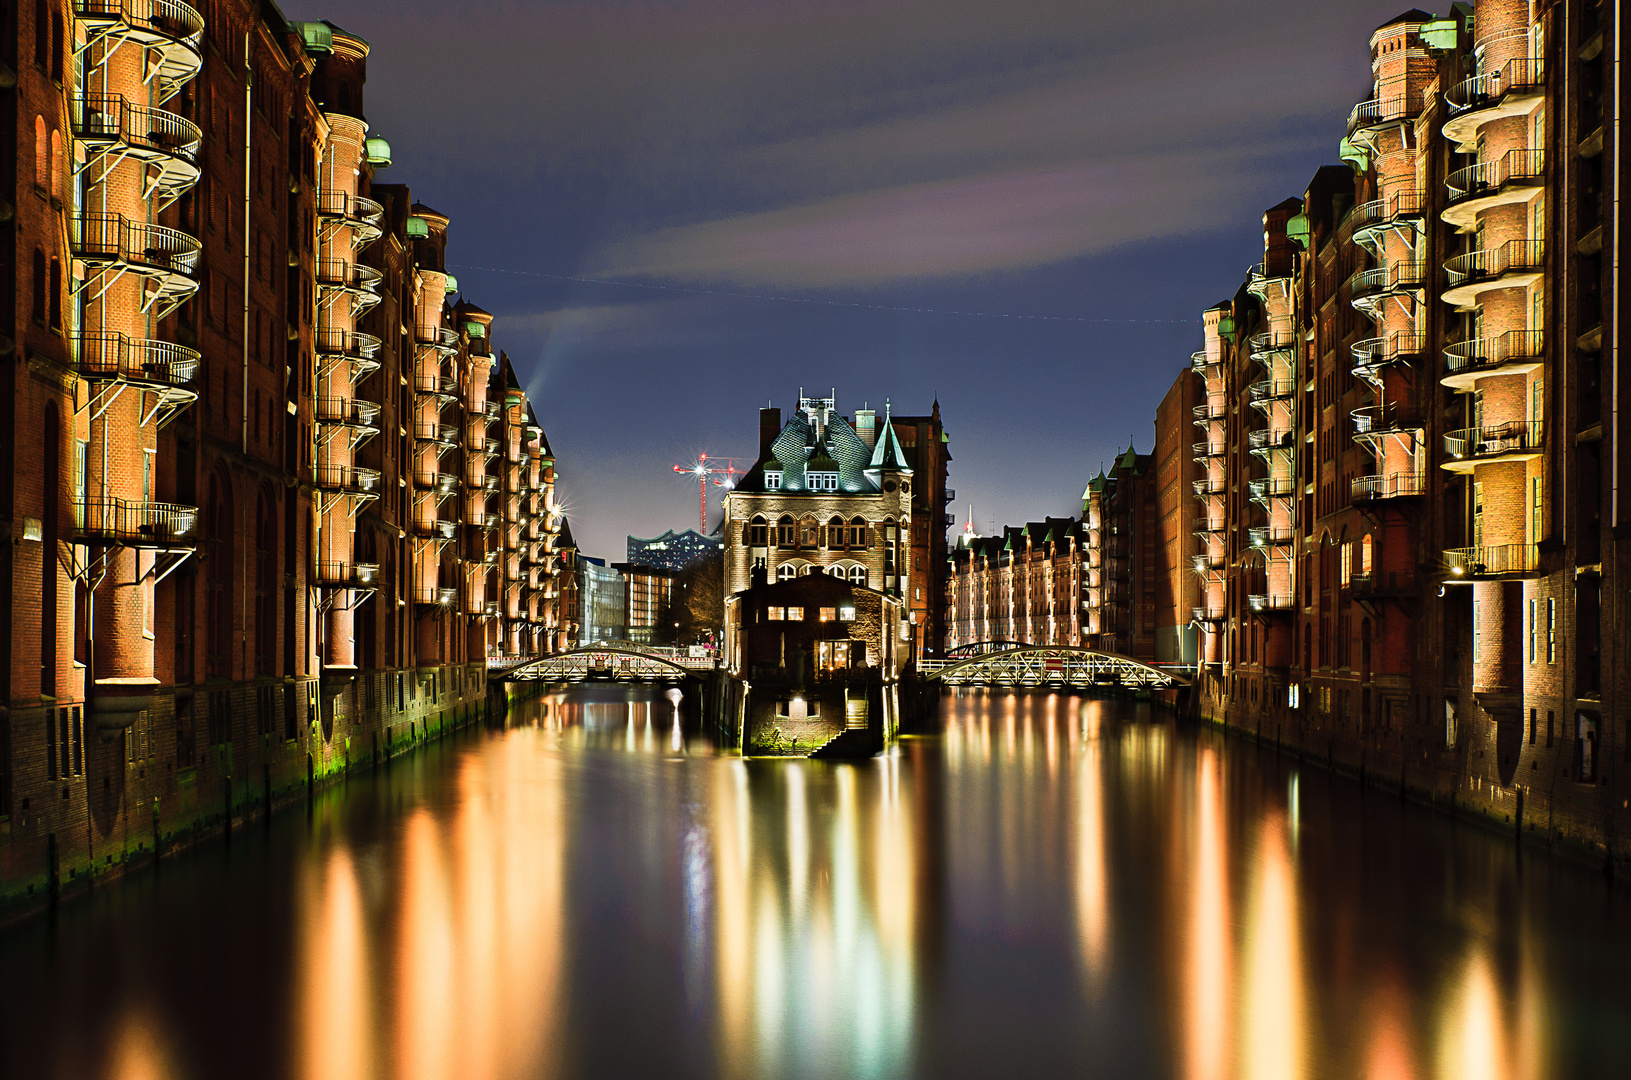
{"points": [[1051, 886]]}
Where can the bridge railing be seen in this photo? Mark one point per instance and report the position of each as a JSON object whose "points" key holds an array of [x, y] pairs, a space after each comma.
{"points": [[1050, 666]]}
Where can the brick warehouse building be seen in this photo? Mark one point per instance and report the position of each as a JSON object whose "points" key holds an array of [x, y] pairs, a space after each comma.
{"points": [[1022, 585], [1414, 524], [861, 500], [273, 497]]}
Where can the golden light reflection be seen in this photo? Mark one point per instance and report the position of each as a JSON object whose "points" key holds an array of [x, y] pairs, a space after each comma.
{"points": [[1273, 997], [333, 988], [1472, 1041], [1388, 1056], [1092, 894], [139, 1051], [1207, 1028]]}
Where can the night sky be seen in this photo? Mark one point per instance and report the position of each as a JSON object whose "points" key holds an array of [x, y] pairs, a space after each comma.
{"points": [[1090, 176]]}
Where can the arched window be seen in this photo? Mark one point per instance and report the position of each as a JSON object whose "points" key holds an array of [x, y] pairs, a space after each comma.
{"points": [[42, 154], [41, 303], [56, 164], [1365, 555], [53, 292], [857, 532], [784, 531], [809, 532], [786, 572], [835, 533], [756, 531], [836, 571], [857, 575]]}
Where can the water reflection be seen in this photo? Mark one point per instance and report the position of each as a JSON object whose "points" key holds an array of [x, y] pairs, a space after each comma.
{"points": [[1051, 885]]}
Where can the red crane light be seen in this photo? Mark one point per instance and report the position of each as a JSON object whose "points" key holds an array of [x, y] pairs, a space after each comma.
{"points": [[704, 470]]}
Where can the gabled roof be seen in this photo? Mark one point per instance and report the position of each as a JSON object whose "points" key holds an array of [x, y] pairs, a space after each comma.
{"points": [[1414, 15]]}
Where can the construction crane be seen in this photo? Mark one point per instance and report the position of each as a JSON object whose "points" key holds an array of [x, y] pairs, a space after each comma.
{"points": [[705, 471]]}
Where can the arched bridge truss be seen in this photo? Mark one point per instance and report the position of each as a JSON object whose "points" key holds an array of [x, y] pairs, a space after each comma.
{"points": [[1051, 665], [607, 665]]}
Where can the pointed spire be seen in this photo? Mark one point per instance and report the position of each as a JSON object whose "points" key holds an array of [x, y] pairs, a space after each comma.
{"points": [[887, 452]]}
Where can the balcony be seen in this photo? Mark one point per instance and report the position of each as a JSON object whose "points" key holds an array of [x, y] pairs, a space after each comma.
{"points": [[1272, 487], [157, 365], [169, 30], [1474, 102], [1207, 563], [1200, 361], [1391, 486], [444, 435], [438, 338], [351, 413], [1203, 450], [1515, 264], [1265, 392], [1499, 560], [440, 482], [444, 389], [1210, 486], [343, 208], [1267, 536], [348, 478], [1369, 288], [359, 349], [491, 409], [109, 126], [435, 597], [1511, 179], [352, 280], [1270, 601], [1260, 282], [430, 528], [1379, 215], [1373, 421], [1210, 614], [1373, 354], [491, 521], [490, 608], [1515, 440], [347, 575], [1512, 353], [1209, 413], [1206, 526], [112, 244], [1266, 441], [1272, 345], [129, 523], [1394, 107]]}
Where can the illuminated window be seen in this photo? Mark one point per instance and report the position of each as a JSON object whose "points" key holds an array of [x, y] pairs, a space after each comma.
{"points": [[829, 614], [756, 532], [846, 614], [795, 614], [777, 614], [784, 531], [773, 480], [1551, 630], [786, 572], [857, 575]]}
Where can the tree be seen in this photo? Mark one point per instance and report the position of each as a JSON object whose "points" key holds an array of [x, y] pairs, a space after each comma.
{"points": [[698, 602]]}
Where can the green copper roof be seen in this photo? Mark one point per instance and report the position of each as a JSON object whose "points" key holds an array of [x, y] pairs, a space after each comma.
{"points": [[1354, 155], [317, 37], [1297, 230], [888, 453], [378, 152]]}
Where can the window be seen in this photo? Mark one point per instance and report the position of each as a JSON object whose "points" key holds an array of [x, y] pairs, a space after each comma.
{"points": [[857, 575], [1534, 631], [42, 155], [773, 480], [808, 533], [1365, 555], [1537, 509], [1551, 630], [786, 572], [829, 614], [56, 164], [846, 614], [756, 532], [836, 571], [784, 531], [1477, 628], [836, 533], [795, 614], [857, 533]]}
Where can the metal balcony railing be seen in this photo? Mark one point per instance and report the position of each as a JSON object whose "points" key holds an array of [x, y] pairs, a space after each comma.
{"points": [[1205, 525], [1488, 177], [111, 118], [1494, 440], [1524, 74], [490, 608], [1378, 584], [1209, 412], [1210, 614], [438, 337], [1266, 439], [362, 213], [347, 412], [1208, 450], [344, 274], [347, 575], [1380, 213], [1210, 486], [134, 523], [439, 482], [352, 344], [1492, 560], [491, 410], [346, 478], [1514, 256], [1200, 361], [1270, 601], [1391, 107], [1205, 564], [433, 382], [1387, 280], [437, 596], [1262, 536], [435, 528], [444, 434], [1270, 343], [1265, 390], [114, 238], [1512, 347], [169, 19], [1272, 487], [1391, 486], [1383, 419], [1401, 347], [111, 357]]}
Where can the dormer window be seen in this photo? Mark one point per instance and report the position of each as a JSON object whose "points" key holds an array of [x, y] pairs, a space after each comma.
{"points": [[822, 481], [773, 479]]}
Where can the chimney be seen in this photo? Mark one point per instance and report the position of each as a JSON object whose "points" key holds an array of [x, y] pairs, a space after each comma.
{"points": [[770, 425], [866, 426]]}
